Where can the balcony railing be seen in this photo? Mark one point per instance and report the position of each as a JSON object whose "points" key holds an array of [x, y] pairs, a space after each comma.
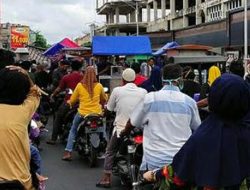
{"points": [[190, 10]]}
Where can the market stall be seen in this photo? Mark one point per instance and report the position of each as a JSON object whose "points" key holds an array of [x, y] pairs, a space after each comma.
{"points": [[117, 46]]}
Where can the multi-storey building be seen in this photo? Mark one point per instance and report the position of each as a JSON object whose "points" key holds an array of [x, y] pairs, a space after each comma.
{"points": [[161, 15], [5, 34], [123, 17], [178, 14]]}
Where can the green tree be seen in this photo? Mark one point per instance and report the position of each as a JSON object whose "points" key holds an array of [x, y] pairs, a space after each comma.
{"points": [[40, 41]]}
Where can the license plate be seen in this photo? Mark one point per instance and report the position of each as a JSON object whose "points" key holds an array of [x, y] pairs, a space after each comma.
{"points": [[131, 148]]}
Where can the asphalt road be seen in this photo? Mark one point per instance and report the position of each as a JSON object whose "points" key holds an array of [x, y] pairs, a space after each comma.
{"points": [[74, 175]]}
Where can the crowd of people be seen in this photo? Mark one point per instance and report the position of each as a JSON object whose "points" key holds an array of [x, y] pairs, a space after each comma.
{"points": [[180, 150]]}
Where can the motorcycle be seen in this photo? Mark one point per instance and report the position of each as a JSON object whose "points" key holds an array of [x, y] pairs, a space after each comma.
{"points": [[128, 159], [44, 109], [91, 138], [11, 185], [67, 123]]}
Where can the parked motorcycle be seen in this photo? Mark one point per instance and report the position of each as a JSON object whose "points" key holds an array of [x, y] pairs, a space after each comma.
{"points": [[91, 137], [128, 159]]}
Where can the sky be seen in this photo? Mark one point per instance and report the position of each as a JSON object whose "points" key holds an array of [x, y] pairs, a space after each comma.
{"points": [[55, 19]]}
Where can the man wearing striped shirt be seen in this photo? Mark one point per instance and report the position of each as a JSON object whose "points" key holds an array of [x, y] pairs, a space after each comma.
{"points": [[168, 118]]}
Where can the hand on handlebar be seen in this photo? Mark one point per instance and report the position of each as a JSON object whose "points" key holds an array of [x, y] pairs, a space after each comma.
{"points": [[124, 133], [149, 176]]}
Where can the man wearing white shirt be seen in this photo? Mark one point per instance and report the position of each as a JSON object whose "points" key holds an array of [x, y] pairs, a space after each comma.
{"points": [[146, 68], [122, 101], [168, 118]]}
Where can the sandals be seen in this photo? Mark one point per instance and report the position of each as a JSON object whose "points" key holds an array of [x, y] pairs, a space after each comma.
{"points": [[103, 184], [67, 156]]}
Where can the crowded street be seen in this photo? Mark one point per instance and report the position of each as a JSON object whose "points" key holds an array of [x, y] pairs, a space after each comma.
{"points": [[75, 175], [125, 95]]}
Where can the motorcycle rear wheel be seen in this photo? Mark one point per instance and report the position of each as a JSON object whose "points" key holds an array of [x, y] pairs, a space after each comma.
{"points": [[93, 157]]}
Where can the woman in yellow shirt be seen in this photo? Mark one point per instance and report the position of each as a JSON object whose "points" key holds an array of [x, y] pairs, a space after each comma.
{"points": [[19, 99], [90, 95]]}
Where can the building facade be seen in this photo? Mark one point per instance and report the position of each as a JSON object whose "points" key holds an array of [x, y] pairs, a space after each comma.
{"points": [[178, 14], [6, 33], [123, 17], [160, 15]]}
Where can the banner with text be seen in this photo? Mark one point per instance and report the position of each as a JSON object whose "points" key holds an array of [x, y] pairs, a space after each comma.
{"points": [[19, 36]]}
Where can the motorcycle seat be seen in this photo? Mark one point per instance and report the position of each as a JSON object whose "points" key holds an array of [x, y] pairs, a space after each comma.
{"points": [[11, 185]]}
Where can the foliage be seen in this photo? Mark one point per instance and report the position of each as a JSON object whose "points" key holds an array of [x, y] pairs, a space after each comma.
{"points": [[40, 42]]}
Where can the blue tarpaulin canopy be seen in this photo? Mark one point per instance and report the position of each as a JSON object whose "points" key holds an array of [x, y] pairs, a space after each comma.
{"points": [[121, 45], [166, 47]]}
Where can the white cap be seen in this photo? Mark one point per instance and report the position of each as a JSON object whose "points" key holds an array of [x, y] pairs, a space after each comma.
{"points": [[128, 75]]}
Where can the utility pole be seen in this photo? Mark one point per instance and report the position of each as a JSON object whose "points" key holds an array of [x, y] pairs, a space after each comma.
{"points": [[137, 17], [245, 36], [1, 40]]}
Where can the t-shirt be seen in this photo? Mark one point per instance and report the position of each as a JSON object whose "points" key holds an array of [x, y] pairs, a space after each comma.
{"points": [[191, 87], [139, 79], [168, 118], [57, 76], [70, 81], [14, 143], [123, 100], [146, 69], [88, 105]]}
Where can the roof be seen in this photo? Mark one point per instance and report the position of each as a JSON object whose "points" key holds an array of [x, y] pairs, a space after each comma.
{"points": [[56, 48], [169, 45], [121, 45], [198, 59], [193, 47], [22, 50]]}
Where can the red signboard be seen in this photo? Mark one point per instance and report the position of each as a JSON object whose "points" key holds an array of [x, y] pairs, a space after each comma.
{"points": [[19, 36]]}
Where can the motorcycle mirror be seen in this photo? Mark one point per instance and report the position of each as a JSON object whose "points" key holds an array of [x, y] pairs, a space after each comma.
{"points": [[70, 91], [106, 89]]}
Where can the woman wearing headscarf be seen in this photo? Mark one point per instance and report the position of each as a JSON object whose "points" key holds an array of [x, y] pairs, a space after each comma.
{"points": [[217, 155], [154, 83], [90, 95], [213, 74]]}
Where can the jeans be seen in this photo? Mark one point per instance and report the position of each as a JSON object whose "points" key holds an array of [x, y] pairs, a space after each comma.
{"points": [[112, 149], [57, 125], [35, 158], [73, 132]]}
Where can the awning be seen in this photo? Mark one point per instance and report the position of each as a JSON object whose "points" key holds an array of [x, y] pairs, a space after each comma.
{"points": [[197, 59], [166, 47], [56, 48], [121, 45]]}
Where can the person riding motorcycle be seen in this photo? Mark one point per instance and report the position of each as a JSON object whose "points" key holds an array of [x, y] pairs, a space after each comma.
{"points": [[217, 155], [91, 96], [59, 72], [122, 100], [19, 98], [168, 118], [69, 81]]}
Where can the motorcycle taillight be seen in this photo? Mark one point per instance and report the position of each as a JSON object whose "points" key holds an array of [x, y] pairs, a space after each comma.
{"points": [[138, 139], [93, 124]]}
